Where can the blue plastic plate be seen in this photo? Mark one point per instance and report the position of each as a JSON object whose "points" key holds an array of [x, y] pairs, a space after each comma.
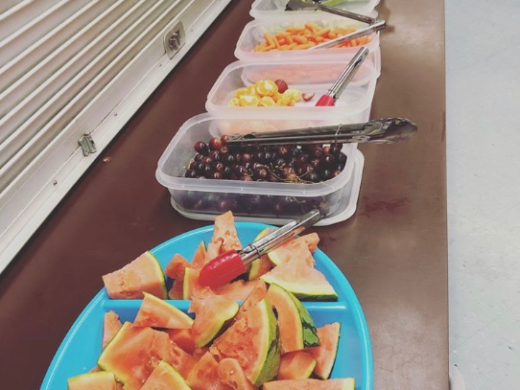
{"points": [[81, 347]]}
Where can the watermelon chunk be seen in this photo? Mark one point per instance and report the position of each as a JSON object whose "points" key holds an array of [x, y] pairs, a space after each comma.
{"points": [[111, 325], [254, 342], [183, 338], [204, 376], [258, 293], [230, 373], [325, 354], [175, 270], [211, 315], [304, 281], [296, 365], [165, 376], [198, 258], [311, 384], [157, 313], [238, 290], [302, 247], [93, 381], [297, 329], [144, 274], [225, 237]]}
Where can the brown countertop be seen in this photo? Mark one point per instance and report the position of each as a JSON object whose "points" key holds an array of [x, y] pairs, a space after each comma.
{"points": [[393, 251]]}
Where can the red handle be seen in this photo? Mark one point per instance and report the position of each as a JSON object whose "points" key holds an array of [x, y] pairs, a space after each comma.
{"points": [[325, 100], [222, 269]]}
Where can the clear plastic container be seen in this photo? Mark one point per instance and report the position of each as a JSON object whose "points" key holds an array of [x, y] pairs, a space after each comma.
{"points": [[270, 9], [253, 33], [308, 76], [246, 199]]}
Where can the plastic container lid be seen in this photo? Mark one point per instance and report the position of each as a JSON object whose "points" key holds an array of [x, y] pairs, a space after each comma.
{"points": [[270, 9]]}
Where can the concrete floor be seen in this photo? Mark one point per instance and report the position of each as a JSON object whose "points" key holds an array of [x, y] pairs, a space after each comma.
{"points": [[483, 107]]}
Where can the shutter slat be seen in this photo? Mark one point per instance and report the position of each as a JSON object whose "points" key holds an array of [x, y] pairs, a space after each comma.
{"points": [[22, 14], [22, 146], [35, 65]]}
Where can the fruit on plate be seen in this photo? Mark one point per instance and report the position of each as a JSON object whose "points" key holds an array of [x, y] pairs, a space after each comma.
{"points": [[258, 293], [212, 314], [237, 290], [157, 313], [230, 373], [204, 376], [311, 384], [135, 351], [296, 247], [183, 338], [261, 265], [165, 376], [266, 93], [325, 354], [225, 236], [111, 326], [175, 271], [101, 380], [296, 365], [304, 281], [254, 342], [297, 329], [144, 274], [199, 256]]}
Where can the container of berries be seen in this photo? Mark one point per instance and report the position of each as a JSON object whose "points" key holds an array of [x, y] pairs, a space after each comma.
{"points": [[206, 175]]}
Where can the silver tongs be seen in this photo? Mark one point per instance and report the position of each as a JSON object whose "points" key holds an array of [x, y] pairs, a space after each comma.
{"points": [[374, 25], [381, 131]]}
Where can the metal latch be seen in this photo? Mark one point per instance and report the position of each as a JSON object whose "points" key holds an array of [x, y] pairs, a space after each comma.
{"points": [[174, 39], [87, 144]]}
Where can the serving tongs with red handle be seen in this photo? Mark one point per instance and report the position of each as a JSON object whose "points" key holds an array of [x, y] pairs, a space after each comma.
{"points": [[229, 265], [382, 131], [335, 91]]}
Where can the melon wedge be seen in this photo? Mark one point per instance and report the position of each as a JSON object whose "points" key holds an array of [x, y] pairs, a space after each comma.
{"points": [[144, 274], [325, 354], [165, 376], [254, 342], [311, 384], [183, 338], [304, 281], [225, 237], [199, 256], [296, 365], [211, 315], [258, 293], [93, 381], [261, 265], [133, 354], [111, 325], [230, 373], [157, 313], [297, 329], [302, 246], [204, 376], [238, 290]]}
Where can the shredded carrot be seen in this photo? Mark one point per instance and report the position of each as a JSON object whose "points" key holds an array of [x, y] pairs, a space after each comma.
{"points": [[300, 38]]}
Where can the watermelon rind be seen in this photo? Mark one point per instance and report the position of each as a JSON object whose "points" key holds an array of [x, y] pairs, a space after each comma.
{"points": [[326, 359], [164, 376], [93, 380], [268, 367], [299, 331], [315, 384], [296, 365], [167, 316], [190, 278], [219, 322], [254, 268], [304, 291]]}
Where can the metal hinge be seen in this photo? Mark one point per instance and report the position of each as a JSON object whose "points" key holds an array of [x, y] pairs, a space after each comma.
{"points": [[87, 144], [174, 39]]}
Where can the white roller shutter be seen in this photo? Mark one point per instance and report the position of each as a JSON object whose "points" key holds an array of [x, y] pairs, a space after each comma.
{"points": [[72, 72]]}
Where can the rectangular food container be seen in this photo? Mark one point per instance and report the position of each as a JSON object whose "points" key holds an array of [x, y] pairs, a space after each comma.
{"points": [[270, 9], [253, 35], [308, 76], [274, 202]]}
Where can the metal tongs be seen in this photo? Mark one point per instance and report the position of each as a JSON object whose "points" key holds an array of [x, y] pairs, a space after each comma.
{"points": [[374, 25], [229, 265], [380, 131]]}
